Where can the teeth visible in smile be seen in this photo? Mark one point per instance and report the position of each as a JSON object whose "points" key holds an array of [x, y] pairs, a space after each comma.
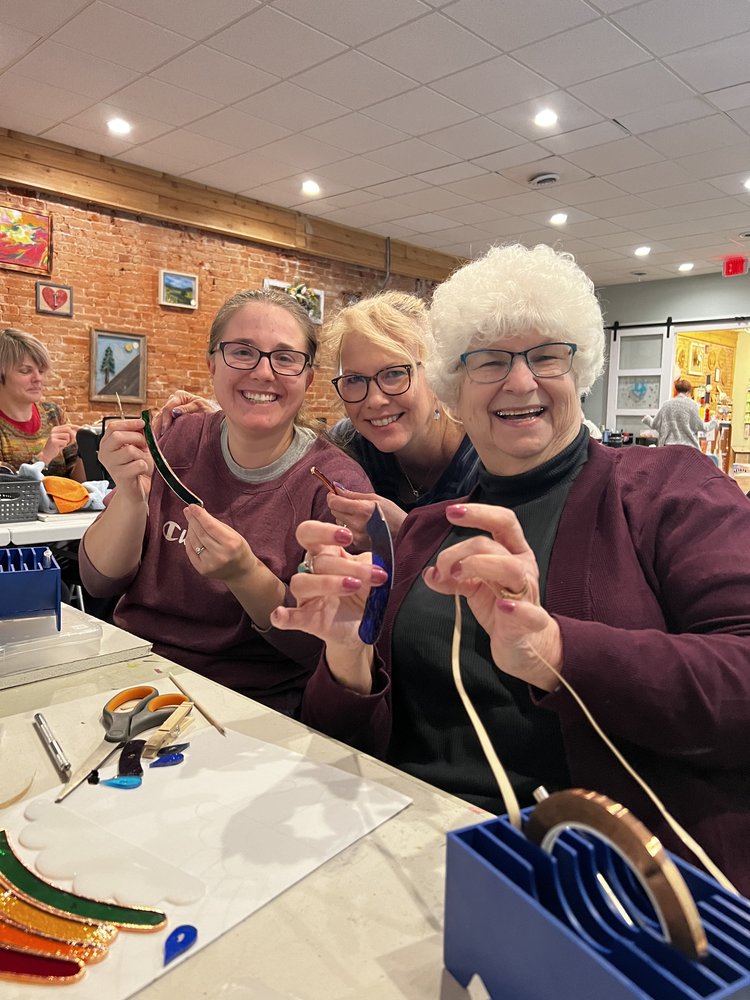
{"points": [[260, 397], [532, 411], [384, 421]]}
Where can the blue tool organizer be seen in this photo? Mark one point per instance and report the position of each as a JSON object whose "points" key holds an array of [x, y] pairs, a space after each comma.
{"points": [[537, 926], [28, 586]]}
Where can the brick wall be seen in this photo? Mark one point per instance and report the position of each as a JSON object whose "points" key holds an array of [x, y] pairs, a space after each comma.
{"points": [[112, 262]]}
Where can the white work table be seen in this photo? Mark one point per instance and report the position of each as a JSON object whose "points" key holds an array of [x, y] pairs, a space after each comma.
{"points": [[53, 528], [367, 925]]}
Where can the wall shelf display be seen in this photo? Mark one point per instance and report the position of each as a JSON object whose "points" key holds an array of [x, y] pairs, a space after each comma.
{"points": [[118, 367], [178, 290], [25, 241], [312, 299], [56, 299]]}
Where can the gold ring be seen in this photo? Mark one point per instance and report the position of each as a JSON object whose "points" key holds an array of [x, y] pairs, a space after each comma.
{"points": [[512, 595], [199, 549]]}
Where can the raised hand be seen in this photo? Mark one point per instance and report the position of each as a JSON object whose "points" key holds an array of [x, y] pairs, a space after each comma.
{"points": [[355, 509], [178, 404], [60, 437], [124, 454]]}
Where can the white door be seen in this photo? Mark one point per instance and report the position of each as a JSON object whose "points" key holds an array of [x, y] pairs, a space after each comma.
{"points": [[640, 375]]}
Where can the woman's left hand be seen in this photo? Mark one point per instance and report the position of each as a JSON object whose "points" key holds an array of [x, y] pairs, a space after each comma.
{"points": [[499, 577], [214, 549]]}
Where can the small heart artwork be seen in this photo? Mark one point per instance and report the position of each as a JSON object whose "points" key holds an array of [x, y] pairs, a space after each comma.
{"points": [[54, 299]]}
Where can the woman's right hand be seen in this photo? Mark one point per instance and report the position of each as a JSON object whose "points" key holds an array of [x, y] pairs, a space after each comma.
{"points": [[60, 437], [331, 599], [179, 403], [124, 454]]}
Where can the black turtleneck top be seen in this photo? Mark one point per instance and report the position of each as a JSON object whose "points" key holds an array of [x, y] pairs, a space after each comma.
{"points": [[433, 738]]}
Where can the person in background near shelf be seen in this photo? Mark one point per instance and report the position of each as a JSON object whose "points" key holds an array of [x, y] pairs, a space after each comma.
{"points": [[619, 568], [32, 430], [679, 419], [411, 447], [201, 582]]}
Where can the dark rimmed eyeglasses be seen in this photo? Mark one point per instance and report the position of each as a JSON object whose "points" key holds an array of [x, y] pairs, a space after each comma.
{"points": [[393, 381], [236, 354], [544, 361]]}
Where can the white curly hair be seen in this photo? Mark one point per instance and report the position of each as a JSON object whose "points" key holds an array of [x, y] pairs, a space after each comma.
{"points": [[510, 291]]}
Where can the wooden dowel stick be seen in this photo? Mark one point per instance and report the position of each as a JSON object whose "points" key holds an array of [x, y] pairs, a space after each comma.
{"points": [[198, 707]]}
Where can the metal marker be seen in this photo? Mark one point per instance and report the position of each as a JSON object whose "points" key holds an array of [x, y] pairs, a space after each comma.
{"points": [[53, 747]]}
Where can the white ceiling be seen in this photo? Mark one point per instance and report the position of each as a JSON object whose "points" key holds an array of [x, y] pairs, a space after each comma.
{"points": [[416, 116]]}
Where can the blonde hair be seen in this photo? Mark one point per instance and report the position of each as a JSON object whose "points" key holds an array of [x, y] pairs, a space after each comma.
{"points": [[16, 346], [514, 290], [393, 321]]}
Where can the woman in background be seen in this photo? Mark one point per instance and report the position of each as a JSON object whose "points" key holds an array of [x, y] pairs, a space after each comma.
{"points": [[201, 582], [32, 430], [679, 419]]}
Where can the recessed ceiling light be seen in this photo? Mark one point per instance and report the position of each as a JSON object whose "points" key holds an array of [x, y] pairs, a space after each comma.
{"points": [[558, 219], [546, 118], [642, 251], [687, 266], [747, 183], [310, 187], [118, 126]]}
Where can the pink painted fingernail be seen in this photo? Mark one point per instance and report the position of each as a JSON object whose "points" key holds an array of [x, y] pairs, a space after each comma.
{"points": [[503, 604], [378, 574], [340, 486], [456, 510], [343, 536], [351, 583]]}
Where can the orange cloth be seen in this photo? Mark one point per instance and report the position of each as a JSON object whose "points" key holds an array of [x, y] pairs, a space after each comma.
{"points": [[67, 494]]}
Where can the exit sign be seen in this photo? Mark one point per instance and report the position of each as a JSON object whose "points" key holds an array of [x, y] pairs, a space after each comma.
{"points": [[733, 266]]}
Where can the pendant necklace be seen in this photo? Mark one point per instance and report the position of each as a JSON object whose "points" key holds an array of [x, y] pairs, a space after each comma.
{"points": [[417, 493]]}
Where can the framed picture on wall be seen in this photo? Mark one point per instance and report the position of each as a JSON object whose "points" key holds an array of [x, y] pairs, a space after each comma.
{"points": [[696, 358], [57, 299], [118, 367], [178, 290], [312, 299], [25, 240]]}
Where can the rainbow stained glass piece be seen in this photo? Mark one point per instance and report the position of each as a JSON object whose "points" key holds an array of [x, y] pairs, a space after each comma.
{"points": [[28, 885], [28, 967], [21, 913], [26, 940]]}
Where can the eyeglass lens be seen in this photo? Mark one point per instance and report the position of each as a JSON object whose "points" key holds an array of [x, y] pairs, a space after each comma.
{"points": [[392, 381], [545, 361], [283, 362]]}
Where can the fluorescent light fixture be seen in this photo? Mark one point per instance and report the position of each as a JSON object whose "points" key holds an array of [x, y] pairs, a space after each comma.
{"points": [[546, 118], [687, 266], [558, 219], [642, 251], [310, 188], [747, 183], [118, 126]]}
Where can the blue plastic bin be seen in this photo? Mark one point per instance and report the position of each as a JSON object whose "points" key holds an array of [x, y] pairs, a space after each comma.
{"points": [[29, 583]]}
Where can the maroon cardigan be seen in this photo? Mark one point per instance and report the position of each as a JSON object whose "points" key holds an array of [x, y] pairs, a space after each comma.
{"points": [[649, 581]]}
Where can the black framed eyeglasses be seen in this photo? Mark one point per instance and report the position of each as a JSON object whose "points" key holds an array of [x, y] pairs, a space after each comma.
{"points": [[393, 381], [545, 361], [237, 354]]}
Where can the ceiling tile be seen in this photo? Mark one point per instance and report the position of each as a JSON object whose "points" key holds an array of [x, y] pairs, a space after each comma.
{"points": [[524, 204], [453, 172], [742, 117], [663, 115], [356, 134], [353, 23], [527, 152], [571, 114], [179, 152], [95, 118], [38, 98], [390, 229], [412, 156], [625, 204], [83, 73], [714, 65], [82, 138], [303, 152], [197, 21], [583, 138], [426, 223], [14, 42], [560, 58], [237, 129], [567, 170], [432, 199], [509, 26], [241, 172], [650, 177], [485, 188], [48, 15], [729, 183], [493, 85], [585, 191], [729, 98], [140, 44], [205, 71], [403, 185], [478, 137], [291, 106], [418, 111], [710, 164], [666, 26], [164, 102], [357, 171], [14, 117], [680, 194], [354, 79], [444, 47], [633, 89], [619, 155], [273, 42], [472, 214], [695, 137]]}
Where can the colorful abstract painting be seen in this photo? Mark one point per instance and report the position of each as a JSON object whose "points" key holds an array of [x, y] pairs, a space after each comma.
{"points": [[25, 240]]}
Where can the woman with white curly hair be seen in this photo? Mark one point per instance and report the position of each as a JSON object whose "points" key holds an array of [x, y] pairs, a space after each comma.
{"points": [[618, 568]]}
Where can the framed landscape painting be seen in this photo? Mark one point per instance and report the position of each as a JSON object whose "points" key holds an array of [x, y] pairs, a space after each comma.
{"points": [[25, 240], [118, 367], [179, 290]]}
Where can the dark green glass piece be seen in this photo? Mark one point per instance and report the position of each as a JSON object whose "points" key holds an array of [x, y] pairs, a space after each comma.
{"points": [[163, 467], [31, 887]]}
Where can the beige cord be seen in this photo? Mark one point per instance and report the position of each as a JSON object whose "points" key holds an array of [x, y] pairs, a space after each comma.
{"points": [[511, 802]]}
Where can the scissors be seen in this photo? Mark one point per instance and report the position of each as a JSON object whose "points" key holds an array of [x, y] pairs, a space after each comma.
{"points": [[136, 709]]}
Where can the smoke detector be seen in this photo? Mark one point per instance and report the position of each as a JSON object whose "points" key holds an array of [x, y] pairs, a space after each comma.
{"points": [[544, 180]]}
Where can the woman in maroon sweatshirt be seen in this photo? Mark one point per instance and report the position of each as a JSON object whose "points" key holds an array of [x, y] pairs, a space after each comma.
{"points": [[626, 570]]}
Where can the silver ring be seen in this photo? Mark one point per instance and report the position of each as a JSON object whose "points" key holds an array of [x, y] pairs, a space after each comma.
{"points": [[308, 564], [199, 549]]}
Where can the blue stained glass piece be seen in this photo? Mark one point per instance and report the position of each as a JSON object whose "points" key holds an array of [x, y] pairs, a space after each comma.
{"points": [[168, 761], [181, 938], [123, 781]]}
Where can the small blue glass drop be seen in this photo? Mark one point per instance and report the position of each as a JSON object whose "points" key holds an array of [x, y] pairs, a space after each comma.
{"points": [[123, 781], [169, 761], [181, 938]]}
